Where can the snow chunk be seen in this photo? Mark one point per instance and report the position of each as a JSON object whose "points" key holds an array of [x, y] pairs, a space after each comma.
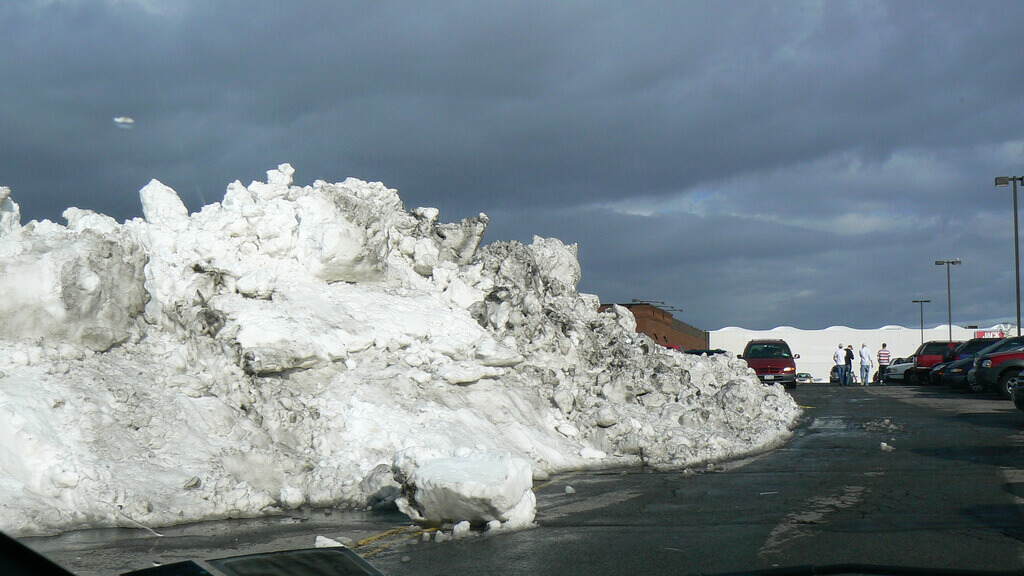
{"points": [[83, 288], [161, 204], [10, 213], [557, 261], [467, 486], [325, 542]]}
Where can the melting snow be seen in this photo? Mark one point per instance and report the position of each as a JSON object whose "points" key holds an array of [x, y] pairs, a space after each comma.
{"points": [[289, 345]]}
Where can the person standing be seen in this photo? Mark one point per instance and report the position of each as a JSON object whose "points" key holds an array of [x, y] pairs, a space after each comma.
{"points": [[865, 364], [883, 362], [840, 358], [849, 364]]}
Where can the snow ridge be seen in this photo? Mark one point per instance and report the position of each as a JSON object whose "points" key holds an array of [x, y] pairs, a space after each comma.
{"points": [[282, 348]]}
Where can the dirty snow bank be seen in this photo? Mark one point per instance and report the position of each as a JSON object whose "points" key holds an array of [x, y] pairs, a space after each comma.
{"points": [[277, 349]]}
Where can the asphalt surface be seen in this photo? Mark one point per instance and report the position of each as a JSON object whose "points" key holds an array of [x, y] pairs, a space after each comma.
{"points": [[946, 489]]}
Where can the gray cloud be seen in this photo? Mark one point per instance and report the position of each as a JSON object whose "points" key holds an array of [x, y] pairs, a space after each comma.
{"points": [[755, 164]]}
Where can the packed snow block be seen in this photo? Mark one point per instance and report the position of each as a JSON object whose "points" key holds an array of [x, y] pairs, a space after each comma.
{"points": [[342, 252], [82, 288], [10, 213], [466, 485], [460, 241], [557, 261], [161, 205]]}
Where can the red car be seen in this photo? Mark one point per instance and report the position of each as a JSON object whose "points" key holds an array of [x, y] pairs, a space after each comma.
{"points": [[772, 360], [927, 356], [998, 371]]}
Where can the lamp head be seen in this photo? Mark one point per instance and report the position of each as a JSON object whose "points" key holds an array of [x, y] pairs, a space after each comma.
{"points": [[1002, 180]]}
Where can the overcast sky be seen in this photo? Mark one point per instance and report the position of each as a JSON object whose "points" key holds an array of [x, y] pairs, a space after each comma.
{"points": [[750, 163]]}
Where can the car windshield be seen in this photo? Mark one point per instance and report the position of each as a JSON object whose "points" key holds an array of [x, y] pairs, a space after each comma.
{"points": [[1004, 345], [768, 350], [934, 349], [417, 279], [975, 345]]}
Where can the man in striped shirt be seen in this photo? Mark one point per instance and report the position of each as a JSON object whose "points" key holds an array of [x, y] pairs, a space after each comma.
{"points": [[883, 362]]}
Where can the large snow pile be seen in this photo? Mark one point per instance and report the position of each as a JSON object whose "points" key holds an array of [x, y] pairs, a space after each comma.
{"points": [[277, 349]]}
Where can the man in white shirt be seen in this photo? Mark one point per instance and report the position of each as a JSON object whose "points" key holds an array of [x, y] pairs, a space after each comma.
{"points": [[865, 364], [840, 358]]}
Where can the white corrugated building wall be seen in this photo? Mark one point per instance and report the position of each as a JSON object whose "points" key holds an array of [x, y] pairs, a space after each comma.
{"points": [[816, 347]]}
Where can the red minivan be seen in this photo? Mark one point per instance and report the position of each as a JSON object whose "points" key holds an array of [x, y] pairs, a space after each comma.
{"points": [[927, 356], [772, 360]]}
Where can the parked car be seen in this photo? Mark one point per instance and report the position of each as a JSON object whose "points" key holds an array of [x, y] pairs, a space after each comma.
{"points": [[936, 373], [995, 370], [897, 369], [972, 347], [928, 355], [772, 360], [713, 352], [954, 374], [1004, 345], [1017, 393], [804, 378], [833, 376], [945, 373]]}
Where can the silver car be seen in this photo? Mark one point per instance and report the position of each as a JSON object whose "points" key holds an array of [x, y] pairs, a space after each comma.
{"points": [[897, 370]]}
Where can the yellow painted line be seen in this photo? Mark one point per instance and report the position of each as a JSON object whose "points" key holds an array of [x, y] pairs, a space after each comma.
{"points": [[381, 536], [375, 551], [804, 407], [389, 534]]}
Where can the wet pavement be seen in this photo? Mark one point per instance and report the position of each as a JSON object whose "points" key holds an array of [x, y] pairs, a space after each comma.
{"points": [[909, 476]]}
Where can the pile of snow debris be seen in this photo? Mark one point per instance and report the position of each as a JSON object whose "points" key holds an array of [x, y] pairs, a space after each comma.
{"points": [[281, 348]]}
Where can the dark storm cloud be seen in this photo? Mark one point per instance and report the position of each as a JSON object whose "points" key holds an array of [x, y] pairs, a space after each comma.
{"points": [[753, 163]]}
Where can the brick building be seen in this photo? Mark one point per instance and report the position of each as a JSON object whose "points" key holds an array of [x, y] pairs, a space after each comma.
{"points": [[664, 329]]}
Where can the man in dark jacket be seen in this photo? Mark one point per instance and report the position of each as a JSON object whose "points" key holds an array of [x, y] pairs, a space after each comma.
{"points": [[849, 364]]}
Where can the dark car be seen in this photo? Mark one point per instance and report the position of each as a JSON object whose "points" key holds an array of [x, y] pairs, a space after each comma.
{"points": [[927, 356], [772, 360], [996, 370], [936, 374], [1017, 393], [703, 352], [972, 347], [940, 373], [1004, 345], [954, 374]]}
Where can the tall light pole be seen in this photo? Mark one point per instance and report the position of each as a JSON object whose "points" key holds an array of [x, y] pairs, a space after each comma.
{"points": [[922, 303], [1005, 181], [949, 298]]}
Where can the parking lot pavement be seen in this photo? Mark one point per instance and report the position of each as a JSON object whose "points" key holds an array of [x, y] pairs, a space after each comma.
{"points": [[884, 475]]}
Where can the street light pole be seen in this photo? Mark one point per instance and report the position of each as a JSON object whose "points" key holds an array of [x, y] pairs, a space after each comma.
{"points": [[921, 302], [1003, 181], [949, 296]]}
